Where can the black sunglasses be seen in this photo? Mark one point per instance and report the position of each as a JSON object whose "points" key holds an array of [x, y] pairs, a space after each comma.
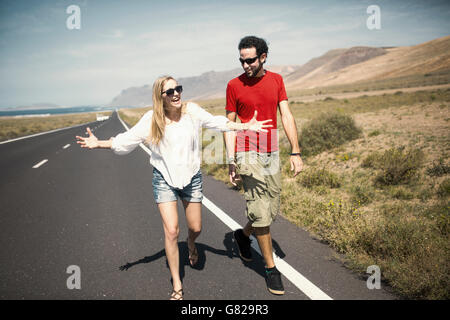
{"points": [[248, 61], [170, 92]]}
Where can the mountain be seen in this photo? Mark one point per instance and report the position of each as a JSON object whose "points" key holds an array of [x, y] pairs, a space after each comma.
{"points": [[209, 85], [334, 60], [343, 66], [133, 97], [335, 67]]}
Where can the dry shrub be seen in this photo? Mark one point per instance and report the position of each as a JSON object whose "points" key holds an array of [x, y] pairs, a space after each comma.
{"points": [[327, 131]]}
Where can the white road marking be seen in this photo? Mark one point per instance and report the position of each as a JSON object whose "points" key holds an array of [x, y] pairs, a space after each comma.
{"points": [[40, 164], [66, 146], [302, 283]]}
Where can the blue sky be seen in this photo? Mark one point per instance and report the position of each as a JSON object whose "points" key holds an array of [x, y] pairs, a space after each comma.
{"points": [[130, 43]]}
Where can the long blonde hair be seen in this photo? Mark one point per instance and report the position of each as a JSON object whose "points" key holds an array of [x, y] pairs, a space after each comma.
{"points": [[159, 117]]}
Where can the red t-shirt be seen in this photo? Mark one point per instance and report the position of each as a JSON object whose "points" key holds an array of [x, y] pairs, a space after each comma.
{"points": [[244, 96]]}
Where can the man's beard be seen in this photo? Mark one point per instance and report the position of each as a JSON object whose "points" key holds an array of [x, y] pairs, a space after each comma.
{"points": [[257, 70]]}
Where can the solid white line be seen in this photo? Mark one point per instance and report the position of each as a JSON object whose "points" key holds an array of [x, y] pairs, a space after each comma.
{"points": [[302, 283], [229, 222], [306, 286], [40, 164], [66, 146]]}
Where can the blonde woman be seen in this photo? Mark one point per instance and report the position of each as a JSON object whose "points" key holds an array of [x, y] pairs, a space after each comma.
{"points": [[172, 133]]}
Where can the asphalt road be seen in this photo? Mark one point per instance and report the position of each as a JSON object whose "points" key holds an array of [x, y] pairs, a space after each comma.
{"points": [[95, 210]]}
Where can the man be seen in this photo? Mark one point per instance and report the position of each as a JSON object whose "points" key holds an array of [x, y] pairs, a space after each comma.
{"points": [[257, 157]]}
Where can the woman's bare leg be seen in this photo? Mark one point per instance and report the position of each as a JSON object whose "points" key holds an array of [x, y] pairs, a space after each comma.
{"points": [[169, 215], [194, 221]]}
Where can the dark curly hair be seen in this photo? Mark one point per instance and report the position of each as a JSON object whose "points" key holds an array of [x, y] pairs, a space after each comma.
{"points": [[254, 42]]}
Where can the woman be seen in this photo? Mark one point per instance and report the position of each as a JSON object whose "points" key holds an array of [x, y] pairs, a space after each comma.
{"points": [[171, 130]]}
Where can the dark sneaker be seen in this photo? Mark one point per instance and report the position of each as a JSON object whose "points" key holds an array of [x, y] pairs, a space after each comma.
{"points": [[243, 243], [273, 281]]}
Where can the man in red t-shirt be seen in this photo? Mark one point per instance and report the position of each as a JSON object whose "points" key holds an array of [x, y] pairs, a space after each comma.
{"points": [[255, 155]]}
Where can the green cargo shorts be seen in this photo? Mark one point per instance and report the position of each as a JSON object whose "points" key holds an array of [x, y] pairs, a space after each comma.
{"points": [[261, 177]]}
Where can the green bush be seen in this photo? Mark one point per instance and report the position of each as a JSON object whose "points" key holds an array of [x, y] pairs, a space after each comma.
{"points": [[444, 189], [374, 133], [362, 195], [399, 167], [408, 249], [401, 193], [327, 131], [371, 161], [396, 166], [438, 169], [320, 177]]}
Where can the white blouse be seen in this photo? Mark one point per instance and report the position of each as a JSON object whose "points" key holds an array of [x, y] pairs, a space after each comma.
{"points": [[177, 156]]}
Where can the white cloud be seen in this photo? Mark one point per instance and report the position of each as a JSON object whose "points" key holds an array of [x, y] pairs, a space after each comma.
{"points": [[115, 34]]}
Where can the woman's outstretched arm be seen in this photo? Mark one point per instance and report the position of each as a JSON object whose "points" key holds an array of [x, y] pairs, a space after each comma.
{"points": [[222, 123]]}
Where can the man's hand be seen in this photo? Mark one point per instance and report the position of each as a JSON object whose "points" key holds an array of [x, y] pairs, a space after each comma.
{"points": [[233, 175], [296, 164]]}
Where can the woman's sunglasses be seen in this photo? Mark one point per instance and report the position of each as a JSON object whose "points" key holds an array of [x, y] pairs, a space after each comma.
{"points": [[170, 92], [248, 61]]}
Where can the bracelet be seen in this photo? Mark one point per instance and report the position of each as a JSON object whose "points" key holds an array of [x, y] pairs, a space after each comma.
{"points": [[296, 154]]}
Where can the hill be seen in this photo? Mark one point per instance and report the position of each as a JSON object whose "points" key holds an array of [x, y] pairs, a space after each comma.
{"points": [[358, 64]]}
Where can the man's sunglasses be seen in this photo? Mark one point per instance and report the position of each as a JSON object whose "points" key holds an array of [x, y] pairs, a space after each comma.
{"points": [[248, 61], [170, 92]]}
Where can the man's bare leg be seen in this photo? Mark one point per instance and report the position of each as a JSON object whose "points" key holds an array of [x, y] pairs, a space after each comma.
{"points": [[264, 241], [265, 244], [248, 229]]}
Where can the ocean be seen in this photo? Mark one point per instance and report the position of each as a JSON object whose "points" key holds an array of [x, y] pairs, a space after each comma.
{"points": [[51, 111]]}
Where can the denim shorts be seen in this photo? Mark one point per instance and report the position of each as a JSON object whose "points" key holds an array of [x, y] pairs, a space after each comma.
{"points": [[163, 192]]}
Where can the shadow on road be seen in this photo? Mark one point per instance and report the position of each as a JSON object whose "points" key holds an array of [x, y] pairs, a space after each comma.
{"points": [[258, 263], [184, 257], [231, 251]]}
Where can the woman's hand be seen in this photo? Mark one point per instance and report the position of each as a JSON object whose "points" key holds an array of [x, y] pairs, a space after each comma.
{"points": [[258, 126], [90, 142]]}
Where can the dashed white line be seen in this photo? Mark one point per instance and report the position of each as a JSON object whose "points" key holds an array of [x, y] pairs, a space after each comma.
{"points": [[40, 164], [66, 146], [302, 283]]}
